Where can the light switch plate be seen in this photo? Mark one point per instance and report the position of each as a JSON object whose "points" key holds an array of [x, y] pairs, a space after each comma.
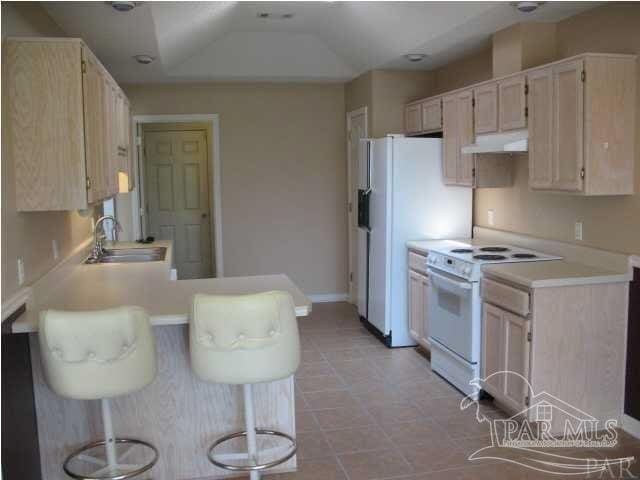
{"points": [[20, 271], [491, 217], [578, 231]]}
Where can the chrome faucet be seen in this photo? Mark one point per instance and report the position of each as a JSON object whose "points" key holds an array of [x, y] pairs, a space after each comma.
{"points": [[99, 235]]}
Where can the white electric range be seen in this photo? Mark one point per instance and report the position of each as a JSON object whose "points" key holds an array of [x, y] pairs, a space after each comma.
{"points": [[455, 317]]}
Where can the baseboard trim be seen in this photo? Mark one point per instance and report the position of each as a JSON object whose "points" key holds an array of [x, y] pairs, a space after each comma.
{"points": [[631, 425], [328, 297]]}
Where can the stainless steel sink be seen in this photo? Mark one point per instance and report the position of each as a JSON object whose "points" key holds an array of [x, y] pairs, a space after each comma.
{"points": [[132, 255]]}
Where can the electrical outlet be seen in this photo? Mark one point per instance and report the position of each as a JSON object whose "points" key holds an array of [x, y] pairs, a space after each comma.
{"points": [[54, 247], [491, 217], [578, 231], [20, 271]]}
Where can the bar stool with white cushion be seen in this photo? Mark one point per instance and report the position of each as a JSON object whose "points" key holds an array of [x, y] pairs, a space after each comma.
{"points": [[98, 355], [244, 340]]}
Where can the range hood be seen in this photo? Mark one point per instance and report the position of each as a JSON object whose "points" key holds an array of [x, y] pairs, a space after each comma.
{"points": [[509, 142]]}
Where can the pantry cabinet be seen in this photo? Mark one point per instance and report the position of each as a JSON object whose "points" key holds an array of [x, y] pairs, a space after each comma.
{"points": [[64, 124], [582, 125]]}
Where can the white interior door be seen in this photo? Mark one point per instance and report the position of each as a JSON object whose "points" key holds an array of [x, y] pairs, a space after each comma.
{"points": [[177, 197], [357, 130]]}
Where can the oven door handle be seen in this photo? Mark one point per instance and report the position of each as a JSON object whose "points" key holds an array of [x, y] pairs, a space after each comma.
{"points": [[462, 285]]}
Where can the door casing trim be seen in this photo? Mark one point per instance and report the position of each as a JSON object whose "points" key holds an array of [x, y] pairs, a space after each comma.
{"points": [[215, 163]]}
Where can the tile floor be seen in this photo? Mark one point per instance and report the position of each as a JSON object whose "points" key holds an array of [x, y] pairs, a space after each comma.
{"points": [[364, 411]]}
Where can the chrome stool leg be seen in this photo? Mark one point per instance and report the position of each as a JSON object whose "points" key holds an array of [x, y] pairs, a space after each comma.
{"points": [[251, 433], [111, 468]]}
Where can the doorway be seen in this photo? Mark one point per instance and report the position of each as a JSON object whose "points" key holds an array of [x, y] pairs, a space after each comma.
{"points": [[179, 189], [356, 131]]}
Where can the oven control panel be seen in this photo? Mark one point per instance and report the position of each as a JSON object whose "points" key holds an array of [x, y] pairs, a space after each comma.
{"points": [[454, 266]]}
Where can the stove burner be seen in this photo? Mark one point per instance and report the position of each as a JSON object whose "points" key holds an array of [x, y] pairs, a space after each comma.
{"points": [[524, 255], [494, 249], [461, 250], [489, 257]]}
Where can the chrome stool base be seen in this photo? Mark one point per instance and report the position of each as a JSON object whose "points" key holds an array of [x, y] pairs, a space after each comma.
{"points": [[252, 468], [104, 465]]}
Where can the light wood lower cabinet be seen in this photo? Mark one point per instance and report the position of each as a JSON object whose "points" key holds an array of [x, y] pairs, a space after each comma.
{"points": [[570, 348], [505, 356], [64, 124], [417, 301]]}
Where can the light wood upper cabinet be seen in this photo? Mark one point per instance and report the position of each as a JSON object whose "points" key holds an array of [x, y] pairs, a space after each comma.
{"points": [[413, 118], [465, 161], [541, 128], [432, 115], [582, 125], [450, 139], [486, 108], [512, 103], [61, 124]]}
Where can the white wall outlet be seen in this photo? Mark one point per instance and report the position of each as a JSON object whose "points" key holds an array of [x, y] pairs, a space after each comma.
{"points": [[491, 217], [20, 271], [54, 247], [578, 231]]}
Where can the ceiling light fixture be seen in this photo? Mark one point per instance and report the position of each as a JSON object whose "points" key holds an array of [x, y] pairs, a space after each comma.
{"points": [[123, 6], [144, 59], [415, 57], [263, 15], [527, 7]]}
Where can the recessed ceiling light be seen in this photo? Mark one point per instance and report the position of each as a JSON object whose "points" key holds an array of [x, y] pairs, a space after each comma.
{"points": [[123, 6], [527, 7], [415, 57], [144, 59]]}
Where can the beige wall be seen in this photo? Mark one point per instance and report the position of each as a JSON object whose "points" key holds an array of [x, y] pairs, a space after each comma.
{"points": [[283, 174], [29, 235], [471, 69], [384, 93], [611, 223]]}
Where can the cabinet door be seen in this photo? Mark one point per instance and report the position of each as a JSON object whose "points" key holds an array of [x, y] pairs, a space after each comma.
{"points": [[541, 129], [94, 88], [568, 126], [432, 115], [112, 162], [413, 118], [486, 108], [424, 340], [127, 140], [450, 148], [492, 349], [465, 161], [516, 357], [512, 103], [415, 302]]}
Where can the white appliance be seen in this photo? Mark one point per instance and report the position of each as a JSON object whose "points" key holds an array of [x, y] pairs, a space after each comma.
{"points": [[507, 142], [455, 318], [402, 197]]}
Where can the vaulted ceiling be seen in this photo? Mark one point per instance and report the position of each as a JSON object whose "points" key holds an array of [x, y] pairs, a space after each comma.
{"points": [[321, 41]]}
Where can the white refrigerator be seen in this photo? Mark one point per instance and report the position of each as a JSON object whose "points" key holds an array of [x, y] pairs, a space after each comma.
{"points": [[402, 197]]}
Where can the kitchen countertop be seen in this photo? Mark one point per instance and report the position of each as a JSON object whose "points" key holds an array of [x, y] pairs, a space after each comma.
{"points": [[551, 273], [148, 285]]}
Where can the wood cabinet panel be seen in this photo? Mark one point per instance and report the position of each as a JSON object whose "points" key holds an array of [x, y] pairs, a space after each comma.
{"points": [[465, 161], [44, 129], [541, 128], [492, 349], [568, 126], [486, 108], [418, 288], [512, 103], [450, 146], [432, 115], [413, 118]]}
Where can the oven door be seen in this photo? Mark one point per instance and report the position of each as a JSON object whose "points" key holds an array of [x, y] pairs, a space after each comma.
{"points": [[454, 314]]}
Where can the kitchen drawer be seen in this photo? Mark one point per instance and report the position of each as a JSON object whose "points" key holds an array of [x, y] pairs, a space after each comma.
{"points": [[418, 262], [505, 296]]}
